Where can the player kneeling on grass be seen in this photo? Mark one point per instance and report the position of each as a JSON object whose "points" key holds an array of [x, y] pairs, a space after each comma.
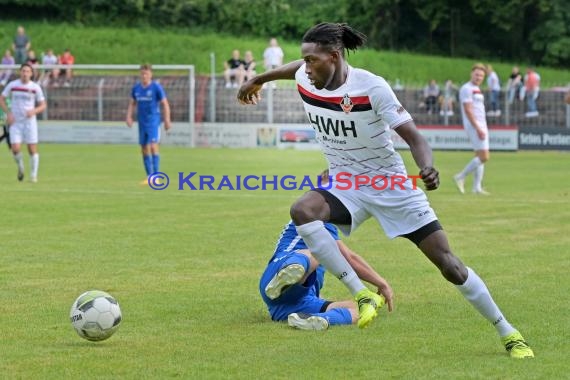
{"points": [[291, 284]]}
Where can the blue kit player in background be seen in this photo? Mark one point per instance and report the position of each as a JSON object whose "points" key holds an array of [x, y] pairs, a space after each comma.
{"points": [[291, 283], [148, 95]]}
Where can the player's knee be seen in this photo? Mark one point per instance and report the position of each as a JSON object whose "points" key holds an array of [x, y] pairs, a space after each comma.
{"points": [[304, 211], [300, 214], [310, 207], [484, 156], [453, 269]]}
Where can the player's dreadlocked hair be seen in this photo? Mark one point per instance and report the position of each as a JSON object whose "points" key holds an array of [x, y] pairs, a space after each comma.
{"points": [[335, 37]]}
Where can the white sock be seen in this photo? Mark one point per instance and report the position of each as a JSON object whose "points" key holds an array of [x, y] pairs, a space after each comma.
{"points": [[478, 177], [19, 161], [35, 163], [472, 165], [325, 249], [475, 291]]}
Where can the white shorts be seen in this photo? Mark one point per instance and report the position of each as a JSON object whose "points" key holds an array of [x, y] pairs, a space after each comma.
{"points": [[398, 212], [476, 142], [24, 132]]}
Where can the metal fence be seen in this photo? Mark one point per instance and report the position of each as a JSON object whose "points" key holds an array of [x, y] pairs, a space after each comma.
{"points": [[102, 92], [104, 97], [281, 104]]}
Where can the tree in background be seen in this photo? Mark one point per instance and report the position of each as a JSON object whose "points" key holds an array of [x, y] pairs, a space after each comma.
{"points": [[536, 31]]}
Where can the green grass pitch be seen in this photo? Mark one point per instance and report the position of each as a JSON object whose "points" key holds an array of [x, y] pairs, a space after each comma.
{"points": [[184, 265]]}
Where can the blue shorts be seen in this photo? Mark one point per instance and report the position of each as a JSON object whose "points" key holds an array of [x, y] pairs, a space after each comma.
{"points": [[296, 298], [149, 135]]}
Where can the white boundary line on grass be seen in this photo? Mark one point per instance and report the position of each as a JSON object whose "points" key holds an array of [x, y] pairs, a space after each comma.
{"points": [[254, 194]]}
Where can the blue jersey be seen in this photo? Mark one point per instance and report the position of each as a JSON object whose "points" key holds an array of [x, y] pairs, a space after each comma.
{"points": [[148, 104], [290, 240]]}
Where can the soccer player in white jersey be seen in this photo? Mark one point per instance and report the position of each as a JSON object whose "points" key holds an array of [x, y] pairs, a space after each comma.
{"points": [[475, 124], [27, 100], [353, 113]]}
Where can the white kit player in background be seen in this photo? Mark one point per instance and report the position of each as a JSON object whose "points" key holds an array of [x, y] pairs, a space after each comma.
{"points": [[475, 123], [27, 100]]}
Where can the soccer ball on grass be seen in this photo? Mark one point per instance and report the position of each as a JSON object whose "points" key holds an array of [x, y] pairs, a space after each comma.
{"points": [[95, 315]]}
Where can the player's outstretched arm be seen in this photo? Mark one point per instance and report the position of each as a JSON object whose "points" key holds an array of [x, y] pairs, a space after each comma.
{"points": [[421, 151], [250, 91], [367, 273]]}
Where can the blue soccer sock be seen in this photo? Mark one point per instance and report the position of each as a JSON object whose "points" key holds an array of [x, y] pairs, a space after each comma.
{"points": [[340, 316], [156, 162], [147, 164]]}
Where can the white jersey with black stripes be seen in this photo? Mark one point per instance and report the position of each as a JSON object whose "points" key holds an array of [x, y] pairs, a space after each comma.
{"points": [[353, 123]]}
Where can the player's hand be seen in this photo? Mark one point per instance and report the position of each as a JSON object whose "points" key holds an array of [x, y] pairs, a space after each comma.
{"points": [[430, 176], [129, 121], [324, 176], [30, 113], [388, 294], [249, 93], [167, 125], [481, 133]]}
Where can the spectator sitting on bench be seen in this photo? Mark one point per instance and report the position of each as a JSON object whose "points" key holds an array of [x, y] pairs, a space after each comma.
{"points": [[234, 70], [67, 59], [431, 94], [249, 65]]}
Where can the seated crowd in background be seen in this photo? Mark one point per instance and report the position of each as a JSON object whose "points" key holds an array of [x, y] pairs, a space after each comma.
{"points": [[237, 70], [6, 74], [431, 95], [448, 99], [45, 77], [52, 76], [519, 87], [531, 91], [234, 70]]}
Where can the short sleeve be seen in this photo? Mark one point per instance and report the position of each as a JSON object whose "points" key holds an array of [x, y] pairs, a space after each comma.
{"points": [[7, 90], [160, 94], [465, 95], [387, 106], [133, 93]]}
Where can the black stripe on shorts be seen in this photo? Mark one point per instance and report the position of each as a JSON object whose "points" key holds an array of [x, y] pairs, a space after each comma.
{"points": [[423, 232]]}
